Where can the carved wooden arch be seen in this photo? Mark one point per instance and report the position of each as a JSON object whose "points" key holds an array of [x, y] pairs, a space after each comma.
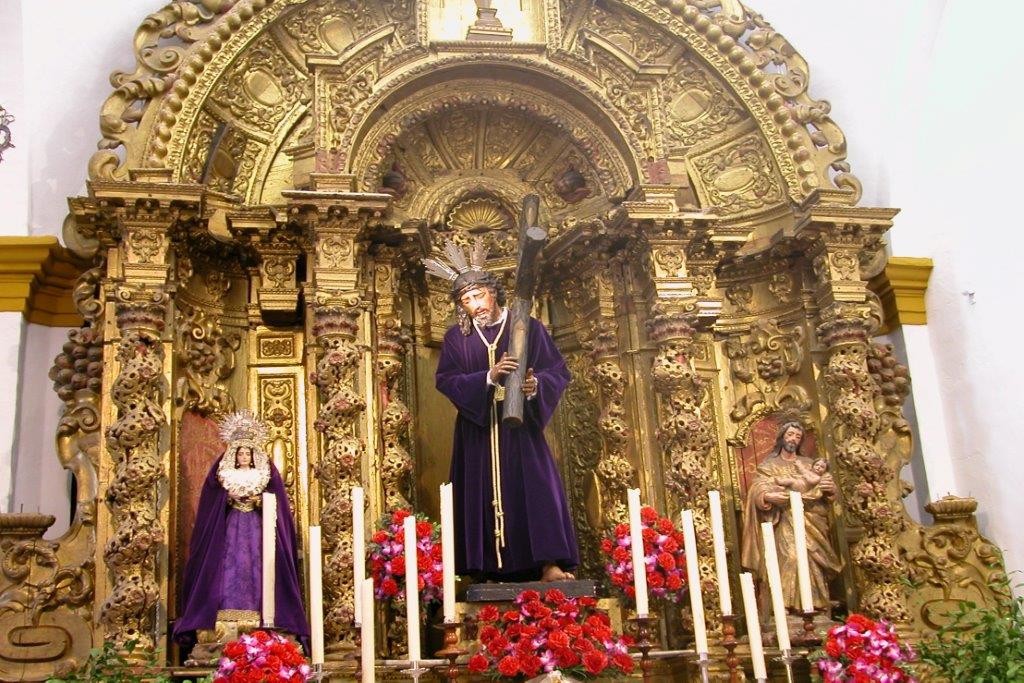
{"points": [[183, 50], [474, 79], [615, 170]]}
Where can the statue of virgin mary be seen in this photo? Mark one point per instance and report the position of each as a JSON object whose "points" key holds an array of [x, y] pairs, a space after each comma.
{"points": [[223, 574]]}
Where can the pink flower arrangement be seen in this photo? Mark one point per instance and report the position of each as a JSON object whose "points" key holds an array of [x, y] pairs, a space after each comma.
{"points": [[548, 633], [262, 657], [864, 651], [664, 559], [387, 558]]}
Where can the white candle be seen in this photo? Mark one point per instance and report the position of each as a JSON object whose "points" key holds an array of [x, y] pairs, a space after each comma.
{"points": [[721, 563], [700, 633], [771, 563], [753, 625], [368, 659], [448, 551], [803, 567], [316, 595], [358, 551], [269, 553], [412, 590], [637, 548]]}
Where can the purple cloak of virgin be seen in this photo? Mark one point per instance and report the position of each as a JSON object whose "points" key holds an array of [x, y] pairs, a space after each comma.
{"points": [[538, 527], [223, 538]]}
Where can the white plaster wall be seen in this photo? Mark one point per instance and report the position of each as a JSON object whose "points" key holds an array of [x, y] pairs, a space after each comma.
{"points": [[13, 221], [57, 57], [14, 172], [11, 330], [70, 50]]}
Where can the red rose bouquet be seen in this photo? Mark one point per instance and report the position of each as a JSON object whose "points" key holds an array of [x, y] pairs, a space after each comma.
{"points": [[387, 558], [864, 650], [549, 633], [663, 556], [262, 657]]}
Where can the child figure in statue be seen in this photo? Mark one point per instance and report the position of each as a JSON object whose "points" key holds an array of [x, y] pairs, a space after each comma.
{"points": [[807, 481], [223, 582]]}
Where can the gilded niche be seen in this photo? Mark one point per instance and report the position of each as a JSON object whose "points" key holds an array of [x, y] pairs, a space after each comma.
{"points": [[500, 145]]}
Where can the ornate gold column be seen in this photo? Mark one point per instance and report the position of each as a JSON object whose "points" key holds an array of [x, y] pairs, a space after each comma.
{"points": [[335, 300], [391, 340], [682, 250], [135, 461], [849, 316]]}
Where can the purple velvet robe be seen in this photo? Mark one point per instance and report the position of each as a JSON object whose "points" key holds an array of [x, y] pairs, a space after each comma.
{"points": [[221, 531], [538, 526]]}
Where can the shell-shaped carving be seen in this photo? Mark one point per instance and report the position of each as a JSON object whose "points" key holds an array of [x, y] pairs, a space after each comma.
{"points": [[480, 215]]}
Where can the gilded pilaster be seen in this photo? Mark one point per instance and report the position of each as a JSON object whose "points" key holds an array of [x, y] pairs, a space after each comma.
{"points": [[600, 476], [592, 300]]}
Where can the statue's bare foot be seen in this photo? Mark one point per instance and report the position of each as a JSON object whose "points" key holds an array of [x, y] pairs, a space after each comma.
{"points": [[552, 572]]}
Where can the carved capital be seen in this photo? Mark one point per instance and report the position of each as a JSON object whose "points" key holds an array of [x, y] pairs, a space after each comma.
{"points": [[672, 321], [141, 308], [848, 324], [337, 318]]}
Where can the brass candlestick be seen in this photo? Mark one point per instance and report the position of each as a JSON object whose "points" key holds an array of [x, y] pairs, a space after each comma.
{"points": [[644, 626], [809, 637], [451, 650], [732, 660]]}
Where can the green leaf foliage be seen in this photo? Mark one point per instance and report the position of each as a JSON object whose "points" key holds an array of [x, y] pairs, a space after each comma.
{"points": [[110, 665], [980, 644]]}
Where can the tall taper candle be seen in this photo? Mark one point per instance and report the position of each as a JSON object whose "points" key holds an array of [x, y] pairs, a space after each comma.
{"points": [[771, 563], [803, 567], [636, 540], [316, 595], [358, 550], [753, 625], [700, 632], [269, 556], [368, 658], [412, 590], [721, 563], [448, 551]]}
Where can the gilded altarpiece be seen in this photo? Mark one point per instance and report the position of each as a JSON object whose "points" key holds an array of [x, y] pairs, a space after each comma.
{"points": [[270, 176]]}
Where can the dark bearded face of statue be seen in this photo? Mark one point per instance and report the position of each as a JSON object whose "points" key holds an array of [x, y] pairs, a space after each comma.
{"points": [[791, 439], [243, 457], [481, 305]]}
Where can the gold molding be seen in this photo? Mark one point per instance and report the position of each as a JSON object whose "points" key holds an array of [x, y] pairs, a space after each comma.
{"points": [[901, 287], [37, 275]]}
